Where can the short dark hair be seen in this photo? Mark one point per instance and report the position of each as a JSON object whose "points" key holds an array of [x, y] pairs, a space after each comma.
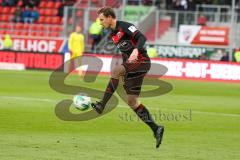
{"points": [[107, 11]]}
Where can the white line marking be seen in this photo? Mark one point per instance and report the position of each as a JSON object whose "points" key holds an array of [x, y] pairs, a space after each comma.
{"points": [[123, 106]]}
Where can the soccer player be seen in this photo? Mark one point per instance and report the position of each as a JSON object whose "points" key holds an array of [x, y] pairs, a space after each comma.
{"points": [[136, 64]]}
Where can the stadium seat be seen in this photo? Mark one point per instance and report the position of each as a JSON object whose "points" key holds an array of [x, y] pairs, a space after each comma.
{"points": [[20, 3], [56, 20], [57, 5], [40, 27], [4, 18], [54, 12], [79, 13], [94, 1], [2, 32], [9, 25], [43, 4], [48, 20], [34, 33], [25, 26], [16, 32], [18, 26], [41, 19], [3, 25], [51, 12], [56, 28], [42, 12], [34, 27], [5, 10], [54, 34], [12, 10], [50, 4], [24, 33]]}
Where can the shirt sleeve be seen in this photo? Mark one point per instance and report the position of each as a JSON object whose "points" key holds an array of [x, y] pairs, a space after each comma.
{"points": [[131, 30]]}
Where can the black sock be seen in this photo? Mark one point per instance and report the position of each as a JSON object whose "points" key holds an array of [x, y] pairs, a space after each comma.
{"points": [[111, 87], [145, 116]]}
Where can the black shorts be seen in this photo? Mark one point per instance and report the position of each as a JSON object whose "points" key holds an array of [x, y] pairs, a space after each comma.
{"points": [[134, 76]]}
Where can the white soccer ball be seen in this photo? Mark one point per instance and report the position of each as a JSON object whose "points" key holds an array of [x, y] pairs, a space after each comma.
{"points": [[82, 102]]}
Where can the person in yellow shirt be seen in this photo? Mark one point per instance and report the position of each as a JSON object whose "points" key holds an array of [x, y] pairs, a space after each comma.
{"points": [[95, 32], [237, 55], [76, 46], [7, 43]]}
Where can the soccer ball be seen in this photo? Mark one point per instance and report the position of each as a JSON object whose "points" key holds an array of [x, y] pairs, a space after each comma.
{"points": [[81, 102]]}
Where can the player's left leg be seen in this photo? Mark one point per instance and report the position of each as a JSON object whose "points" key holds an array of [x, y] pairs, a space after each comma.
{"points": [[146, 117]]}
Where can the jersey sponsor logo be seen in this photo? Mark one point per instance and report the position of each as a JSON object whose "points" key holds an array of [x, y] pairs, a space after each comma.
{"points": [[125, 45], [132, 29], [117, 37]]}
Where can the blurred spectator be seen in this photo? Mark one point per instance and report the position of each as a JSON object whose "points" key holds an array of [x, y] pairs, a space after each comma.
{"points": [[7, 43], [133, 2], [63, 4], [95, 31], [202, 20], [225, 57], [237, 55], [169, 4], [180, 5], [8, 3], [203, 56], [191, 5], [147, 2], [152, 51], [217, 56], [31, 3], [34, 15], [26, 15], [17, 15], [76, 46]]}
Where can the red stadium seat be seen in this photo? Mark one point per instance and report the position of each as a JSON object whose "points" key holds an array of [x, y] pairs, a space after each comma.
{"points": [[50, 12], [4, 18], [54, 12], [34, 27], [59, 28], [94, 1], [40, 27], [43, 4], [54, 34], [2, 32], [20, 3], [41, 19], [50, 4], [9, 25], [48, 20], [55, 28], [18, 26], [42, 11], [6, 10], [16, 32], [56, 20], [24, 33], [26, 27], [47, 12], [57, 5], [12, 10], [79, 13], [3, 25]]}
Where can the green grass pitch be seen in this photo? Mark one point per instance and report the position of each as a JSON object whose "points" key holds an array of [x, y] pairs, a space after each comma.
{"points": [[29, 130]]}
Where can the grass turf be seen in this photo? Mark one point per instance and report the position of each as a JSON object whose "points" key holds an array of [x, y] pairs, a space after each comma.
{"points": [[29, 129]]}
